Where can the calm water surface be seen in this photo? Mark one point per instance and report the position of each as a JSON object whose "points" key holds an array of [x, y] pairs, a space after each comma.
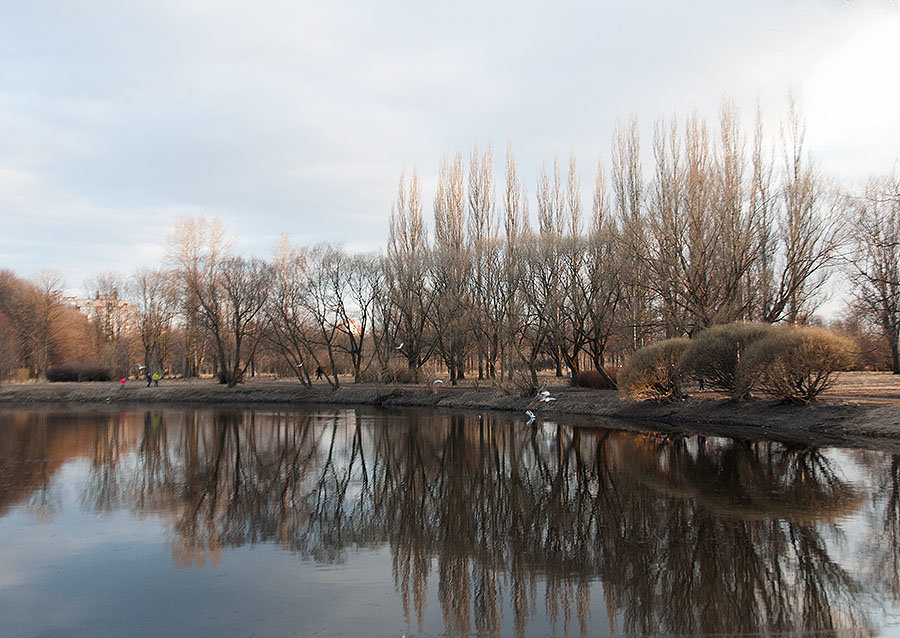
{"points": [[368, 523]]}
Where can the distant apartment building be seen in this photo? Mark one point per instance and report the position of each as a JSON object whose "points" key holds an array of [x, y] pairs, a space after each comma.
{"points": [[114, 315]]}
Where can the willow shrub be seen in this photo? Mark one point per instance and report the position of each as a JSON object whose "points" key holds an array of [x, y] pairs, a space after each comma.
{"points": [[653, 372], [794, 363], [595, 379], [715, 353], [78, 372]]}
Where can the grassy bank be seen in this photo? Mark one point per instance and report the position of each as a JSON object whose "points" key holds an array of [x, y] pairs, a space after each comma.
{"points": [[833, 421]]}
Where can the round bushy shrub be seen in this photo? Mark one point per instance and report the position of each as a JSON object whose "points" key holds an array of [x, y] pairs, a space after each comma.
{"points": [[716, 352], [94, 373], [652, 373], [62, 373], [596, 379], [398, 375], [794, 363], [78, 372]]}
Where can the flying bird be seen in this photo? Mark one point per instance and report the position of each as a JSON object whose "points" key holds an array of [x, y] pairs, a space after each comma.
{"points": [[400, 346], [548, 399], [438, 381], [545, 393], [530, 416]]}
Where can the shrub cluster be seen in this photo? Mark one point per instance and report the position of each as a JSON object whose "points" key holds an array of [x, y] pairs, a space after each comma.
{"points": [[653, 372], [397, 375], [791, 363], [375, 374], [794, 364], [522, 385], [596, 379], [78, 372], [715, 353]]}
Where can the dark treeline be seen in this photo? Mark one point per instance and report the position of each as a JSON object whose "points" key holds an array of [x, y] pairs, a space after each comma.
{"points": [[724, 226], [686, 535]]}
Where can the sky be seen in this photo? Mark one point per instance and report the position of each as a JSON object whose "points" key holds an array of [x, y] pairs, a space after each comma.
{"points": [[298, 117]]}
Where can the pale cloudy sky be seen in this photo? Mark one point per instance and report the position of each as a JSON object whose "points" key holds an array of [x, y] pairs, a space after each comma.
{"points": [[118, 117]]}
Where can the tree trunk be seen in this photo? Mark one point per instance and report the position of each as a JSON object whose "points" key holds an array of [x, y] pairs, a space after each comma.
{"points": [[894, 340]]}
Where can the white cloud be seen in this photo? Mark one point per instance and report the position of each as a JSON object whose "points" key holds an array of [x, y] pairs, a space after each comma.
{"points": [[851, 100], [299, 117]]}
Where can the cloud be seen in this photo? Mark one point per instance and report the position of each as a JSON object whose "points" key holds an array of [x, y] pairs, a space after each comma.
{"points": [[299, 117]]}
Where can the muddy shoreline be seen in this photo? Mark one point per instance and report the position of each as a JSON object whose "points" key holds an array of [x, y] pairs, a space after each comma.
{"points": [[829, 422]]}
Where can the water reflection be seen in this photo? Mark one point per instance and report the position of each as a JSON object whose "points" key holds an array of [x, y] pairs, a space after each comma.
{"points": [[677, 535]]}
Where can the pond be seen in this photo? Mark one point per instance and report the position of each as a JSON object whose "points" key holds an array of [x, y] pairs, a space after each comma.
{"points": [[360, 522]]}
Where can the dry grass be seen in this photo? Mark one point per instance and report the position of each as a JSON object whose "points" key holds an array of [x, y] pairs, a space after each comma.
{"points": [[866, 385]]}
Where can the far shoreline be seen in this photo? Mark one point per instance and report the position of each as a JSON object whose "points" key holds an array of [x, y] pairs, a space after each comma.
{"points": [[828, 422]]}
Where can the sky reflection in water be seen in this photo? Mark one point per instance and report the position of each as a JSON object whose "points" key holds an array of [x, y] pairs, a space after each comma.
{"points": [[367, 523]]}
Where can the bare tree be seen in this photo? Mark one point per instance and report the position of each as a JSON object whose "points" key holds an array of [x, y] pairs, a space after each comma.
{"points": [[808, 232], [874, 263], [359, 283], [239, 329], [285, 310], [603, 280], [226, 294], [541, 289], [550, 283], [760, 283], [406, 276], [43, 314], [110, 319], [385, 321], [451, 271], [735, 219], [628, 197], [40, 329], [484, 246], [323, 312], [109, 314], [573, 330], [702, 247], [515, 235], [154, 295], [9, 347], [198, 248]]}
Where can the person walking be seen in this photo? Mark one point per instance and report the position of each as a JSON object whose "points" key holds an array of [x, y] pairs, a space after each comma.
{"points": [[156, 379], [148, 378]]}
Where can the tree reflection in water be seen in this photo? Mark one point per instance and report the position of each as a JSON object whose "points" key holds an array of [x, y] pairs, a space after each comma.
{"points": [[680, 535]]}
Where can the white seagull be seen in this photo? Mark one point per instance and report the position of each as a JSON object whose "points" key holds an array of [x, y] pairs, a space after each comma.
{"points": [[548, 399], [400, 346], [530, 416], [438, 381]]}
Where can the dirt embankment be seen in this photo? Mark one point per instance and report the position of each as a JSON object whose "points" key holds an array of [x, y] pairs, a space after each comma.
{"points": [[856, 419]]}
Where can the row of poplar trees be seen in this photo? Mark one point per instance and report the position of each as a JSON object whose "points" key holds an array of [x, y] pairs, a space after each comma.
{"points": [[709, 224], [727, 228]]}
